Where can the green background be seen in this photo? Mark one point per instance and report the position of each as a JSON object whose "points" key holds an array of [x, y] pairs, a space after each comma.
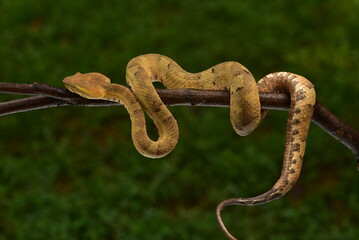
{"points": [[73, 172]]}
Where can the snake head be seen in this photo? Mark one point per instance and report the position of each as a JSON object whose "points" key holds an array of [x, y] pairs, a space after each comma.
{"points": [[87, 85]]}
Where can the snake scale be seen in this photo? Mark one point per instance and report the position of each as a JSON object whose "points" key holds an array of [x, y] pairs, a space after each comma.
{"points": [[245, 110]]}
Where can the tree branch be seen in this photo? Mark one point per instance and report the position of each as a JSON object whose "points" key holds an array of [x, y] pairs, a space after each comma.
{"points": [[50, 96]]}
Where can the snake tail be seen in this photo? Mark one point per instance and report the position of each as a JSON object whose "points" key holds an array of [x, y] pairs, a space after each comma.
{"points": [[300, 114]]}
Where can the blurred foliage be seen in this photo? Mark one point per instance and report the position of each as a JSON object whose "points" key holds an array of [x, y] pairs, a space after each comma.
{"points": [[73, 173]]}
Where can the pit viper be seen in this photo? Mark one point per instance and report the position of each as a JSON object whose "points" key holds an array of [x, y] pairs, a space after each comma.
{"points": [[245, 109]]}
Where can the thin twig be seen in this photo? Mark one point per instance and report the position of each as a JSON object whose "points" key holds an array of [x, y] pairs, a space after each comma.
{"points": [[50, 96]]}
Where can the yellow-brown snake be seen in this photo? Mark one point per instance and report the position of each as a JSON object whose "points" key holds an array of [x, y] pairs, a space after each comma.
{"points": [[245, 111]]}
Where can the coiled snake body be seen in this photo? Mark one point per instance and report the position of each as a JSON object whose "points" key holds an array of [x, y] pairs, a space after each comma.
{"points": [[245, 111]]}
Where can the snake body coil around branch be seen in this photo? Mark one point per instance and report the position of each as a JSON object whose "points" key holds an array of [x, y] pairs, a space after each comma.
{"points": [[245, 111]]}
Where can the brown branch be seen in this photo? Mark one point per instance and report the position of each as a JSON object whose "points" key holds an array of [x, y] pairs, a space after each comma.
{"points": [[49, 96]]}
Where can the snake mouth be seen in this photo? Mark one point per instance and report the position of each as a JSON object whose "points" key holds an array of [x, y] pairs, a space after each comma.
{"points": [[78, 90], [72, 88]]}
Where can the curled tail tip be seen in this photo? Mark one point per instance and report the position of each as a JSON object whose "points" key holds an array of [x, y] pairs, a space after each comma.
{"points": [[220, 221]]}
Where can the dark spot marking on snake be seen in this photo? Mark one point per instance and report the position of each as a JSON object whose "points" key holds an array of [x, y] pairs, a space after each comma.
{"points": [[168, 65], [214, 83], [158, 151], [144, 144], [310, 106], [296, 122], [246, 71], [239, 88], [295, 132], [297, 110], [285, 182], [168, 119], [213, 70], [156, 109], [296, 147], [137, 73], [239, 127], [236, 74], [291, 171], [301, 95]]}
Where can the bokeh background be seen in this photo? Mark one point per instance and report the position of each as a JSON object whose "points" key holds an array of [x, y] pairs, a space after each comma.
{"points": [[73, 172]]}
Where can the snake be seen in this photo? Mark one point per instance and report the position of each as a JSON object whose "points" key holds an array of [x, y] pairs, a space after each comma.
{"points": [[245, 109]]}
